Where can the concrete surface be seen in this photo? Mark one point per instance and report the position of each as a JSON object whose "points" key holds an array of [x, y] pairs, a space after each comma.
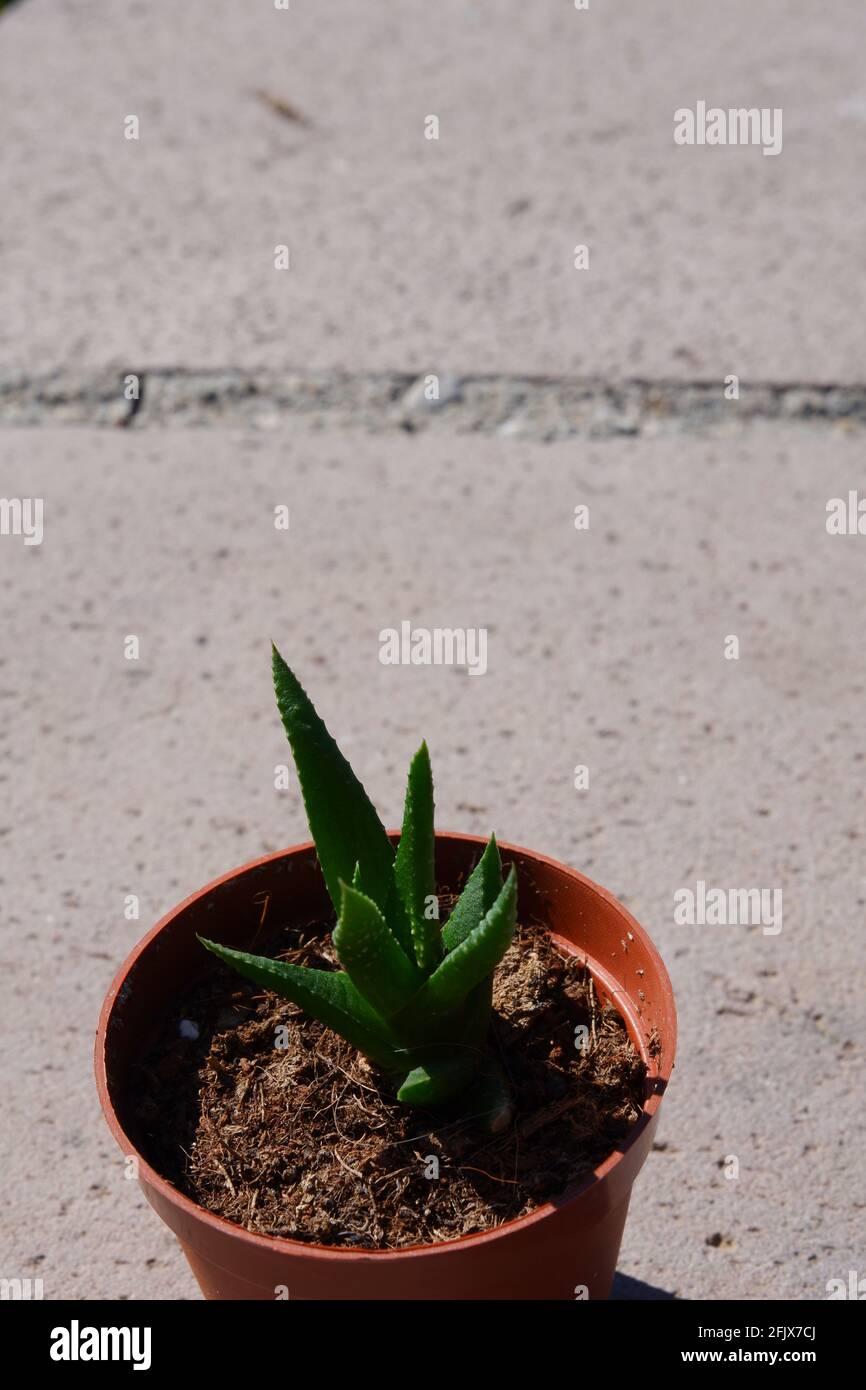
{"points": [[556, 129], [605, 648]]}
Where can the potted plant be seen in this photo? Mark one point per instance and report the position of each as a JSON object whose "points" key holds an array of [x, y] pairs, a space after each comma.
{"points": [[449, 1096]]}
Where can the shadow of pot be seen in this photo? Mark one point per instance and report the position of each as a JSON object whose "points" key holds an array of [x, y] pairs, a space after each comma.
{"points": [[564, 1249]]}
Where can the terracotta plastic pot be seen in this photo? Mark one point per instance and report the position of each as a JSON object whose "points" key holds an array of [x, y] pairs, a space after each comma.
{"points": [[565, 1249]]}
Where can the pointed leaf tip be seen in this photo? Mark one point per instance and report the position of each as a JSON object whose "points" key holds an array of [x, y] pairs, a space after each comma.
{"points": [[414, 863], [342, 819], [480, 892], [475, 957]]}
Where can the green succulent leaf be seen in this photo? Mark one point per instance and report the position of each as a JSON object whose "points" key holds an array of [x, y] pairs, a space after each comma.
{"points": [[445, 1067], [474, 959], [397, 918], [328, 995], [372, 956], [479, 894], [414, 870], [439, 1078], [343, 821], [476, 1014], [489, 1098]]}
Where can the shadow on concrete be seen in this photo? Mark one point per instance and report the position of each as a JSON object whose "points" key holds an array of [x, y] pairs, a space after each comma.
{"points": [[625, 1287]]}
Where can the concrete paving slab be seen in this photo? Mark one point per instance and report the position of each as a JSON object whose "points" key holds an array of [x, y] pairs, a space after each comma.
{"points": [[606, 648], [305, 128]]}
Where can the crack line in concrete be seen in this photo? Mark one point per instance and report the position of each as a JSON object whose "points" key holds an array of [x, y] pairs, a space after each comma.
{"points": [[532, 407]]}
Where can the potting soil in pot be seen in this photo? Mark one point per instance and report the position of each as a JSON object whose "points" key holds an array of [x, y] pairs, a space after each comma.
{"points": [[269, 1119]]}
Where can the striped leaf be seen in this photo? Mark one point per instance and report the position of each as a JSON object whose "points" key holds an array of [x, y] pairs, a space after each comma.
{"points": [[327, 995]]}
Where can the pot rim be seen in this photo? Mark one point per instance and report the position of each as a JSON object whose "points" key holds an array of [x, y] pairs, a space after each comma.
{"points": [[148, 1176]]}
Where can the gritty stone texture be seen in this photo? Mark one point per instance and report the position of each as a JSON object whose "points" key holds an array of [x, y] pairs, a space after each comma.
{"points": [[67, 396], [261, 128], [527, 407], [605, 648]]}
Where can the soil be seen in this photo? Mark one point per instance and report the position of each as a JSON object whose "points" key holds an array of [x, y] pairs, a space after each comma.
{"points": [[303, 1139]]}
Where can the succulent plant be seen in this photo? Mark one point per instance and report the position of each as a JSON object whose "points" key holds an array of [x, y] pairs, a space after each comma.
{"points": [[415, 998]]}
